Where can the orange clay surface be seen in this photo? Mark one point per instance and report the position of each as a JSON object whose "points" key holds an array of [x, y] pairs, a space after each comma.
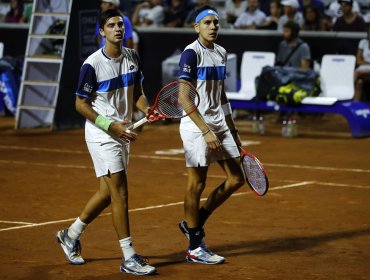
{"points": [[314, 223]]}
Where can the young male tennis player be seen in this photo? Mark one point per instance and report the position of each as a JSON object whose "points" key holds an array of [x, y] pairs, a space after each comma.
{"points": [[208, 135], [109, 86]]}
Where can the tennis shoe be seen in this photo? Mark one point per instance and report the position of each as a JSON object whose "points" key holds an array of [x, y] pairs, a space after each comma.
{"points": [[71, 247], [183, 225], [137, 265], [203, 255]]}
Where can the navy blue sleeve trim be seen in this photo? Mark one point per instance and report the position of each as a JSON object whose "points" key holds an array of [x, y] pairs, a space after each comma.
{"points": [[87, 83], [188, 65]]}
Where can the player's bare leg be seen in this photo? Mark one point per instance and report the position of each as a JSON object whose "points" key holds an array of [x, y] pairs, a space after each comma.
{"points": [[117, 185], [69, 239], [196, 184], [97, 203], [234, 181], [197, 251], [118, 189]]}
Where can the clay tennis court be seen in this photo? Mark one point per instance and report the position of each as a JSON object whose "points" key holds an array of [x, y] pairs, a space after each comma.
{"points": [[314, 223]]}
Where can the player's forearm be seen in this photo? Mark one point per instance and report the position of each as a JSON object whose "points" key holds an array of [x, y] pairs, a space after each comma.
{"points": [[197, 118], [85, 109], [230, 123], [226, 108], [142, 104]]}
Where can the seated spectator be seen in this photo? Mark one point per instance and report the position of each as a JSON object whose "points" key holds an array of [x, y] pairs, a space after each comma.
{"points": [[271, 22], [313, 20], [293, 52], [317, 4], [127, 39], [233, 9], [350, 21], [15, 13], [174, 14], [335, 12], [290, 13], [189, 20], [362, 73], [27, 11], [149, 13], [252, 18]]}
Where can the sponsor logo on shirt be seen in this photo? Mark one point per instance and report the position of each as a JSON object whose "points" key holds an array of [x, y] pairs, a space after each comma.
{"points": [[186, 68], [362, 113], [87, 88], [132, 67]]}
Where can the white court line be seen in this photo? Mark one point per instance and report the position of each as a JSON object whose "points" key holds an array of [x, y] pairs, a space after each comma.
{"points": [[36, 149], [297, 166], [342, 185], [16, 222], [326, 168], [167, 173], [152, 207], [19, 162]]}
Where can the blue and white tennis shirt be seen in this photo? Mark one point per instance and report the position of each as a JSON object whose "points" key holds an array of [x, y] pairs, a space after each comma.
{"points": [[208, 68], [109, 83]]}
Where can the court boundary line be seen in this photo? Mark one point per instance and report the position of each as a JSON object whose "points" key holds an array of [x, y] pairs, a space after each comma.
{"points": [[16, 222], [151, 207], [282, 165]]}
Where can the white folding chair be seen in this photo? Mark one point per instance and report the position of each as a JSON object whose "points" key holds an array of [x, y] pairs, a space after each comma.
{"points": [[337, 80], [251, 67]]}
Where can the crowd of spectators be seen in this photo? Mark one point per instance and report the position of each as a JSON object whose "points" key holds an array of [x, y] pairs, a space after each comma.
{"points": [[311, 15]]}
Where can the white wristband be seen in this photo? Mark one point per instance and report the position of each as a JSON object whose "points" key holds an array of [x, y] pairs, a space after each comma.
{"points": [[227, 109]]}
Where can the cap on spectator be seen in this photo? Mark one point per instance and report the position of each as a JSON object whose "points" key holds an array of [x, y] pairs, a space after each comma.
{"points": [[291, 3], [350, 2], [114, 2]]}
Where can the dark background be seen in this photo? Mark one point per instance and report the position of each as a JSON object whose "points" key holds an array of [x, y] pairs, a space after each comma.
{"points": [[155, 46]]}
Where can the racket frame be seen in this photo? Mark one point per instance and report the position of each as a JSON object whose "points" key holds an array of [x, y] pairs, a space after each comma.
{"points": [[155, 107], [244, 154]]}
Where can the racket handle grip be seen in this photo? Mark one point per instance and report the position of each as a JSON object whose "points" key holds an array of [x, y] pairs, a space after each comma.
{"points": [[138, 123]]}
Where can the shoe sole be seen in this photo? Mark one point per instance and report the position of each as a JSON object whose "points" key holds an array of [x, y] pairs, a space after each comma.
{"points": [[191, 260], [65, 251], [126, 270]]}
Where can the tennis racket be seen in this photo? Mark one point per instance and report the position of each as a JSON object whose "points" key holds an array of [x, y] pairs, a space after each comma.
{"points": [[254, 173], [174, 101]]}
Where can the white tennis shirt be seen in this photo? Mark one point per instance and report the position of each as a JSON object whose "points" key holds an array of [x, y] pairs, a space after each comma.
{"points": [[109, 83], [208, 68]]}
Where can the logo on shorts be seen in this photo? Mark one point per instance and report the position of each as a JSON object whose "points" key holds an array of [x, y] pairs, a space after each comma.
{"points": [[186, 68], [87, 88]]}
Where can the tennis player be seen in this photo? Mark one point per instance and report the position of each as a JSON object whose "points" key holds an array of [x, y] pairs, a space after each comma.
{"points": [[208, 135], [109, 86]]}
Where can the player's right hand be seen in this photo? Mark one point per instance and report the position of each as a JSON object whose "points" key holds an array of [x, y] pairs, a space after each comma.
{"points": [[119, 129], [212, 141]]}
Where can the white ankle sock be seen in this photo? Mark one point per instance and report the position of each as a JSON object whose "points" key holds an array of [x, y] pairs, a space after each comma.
{"points": [[127, 248], [76, 229]]}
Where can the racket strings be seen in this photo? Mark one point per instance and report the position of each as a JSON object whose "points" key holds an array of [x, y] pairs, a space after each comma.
{"points": [[177, 100], [254, 174]]}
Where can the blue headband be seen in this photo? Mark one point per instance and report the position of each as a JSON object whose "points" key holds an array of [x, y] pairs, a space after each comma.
{"points": [[204, 14]]}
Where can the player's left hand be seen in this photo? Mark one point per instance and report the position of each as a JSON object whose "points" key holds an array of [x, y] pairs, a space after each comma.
{"points": [[119, 129], [151, 115]]}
